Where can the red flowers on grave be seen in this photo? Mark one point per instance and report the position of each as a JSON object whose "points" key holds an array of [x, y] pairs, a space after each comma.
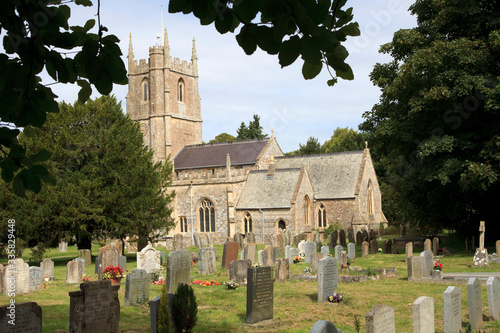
{"points": [[438, 266], [112, 272], [206, 283]]}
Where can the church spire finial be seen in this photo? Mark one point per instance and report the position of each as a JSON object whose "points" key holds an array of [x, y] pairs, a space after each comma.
{"points": [[194, 58], [130, 48], [165, 42]]}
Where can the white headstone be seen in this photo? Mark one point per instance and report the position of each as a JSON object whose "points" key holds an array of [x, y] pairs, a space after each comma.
{"points": [[325, 250], [427, 262], [302, 246], [475, 306], [452, 310], [309, 249], [292, 254], [287, 251], [423, 315], [327, 278], [338, 249], [35, 278], [493, 291], [380, 319], [16, 277], [149, 259], [47, 266], [351, 250]]}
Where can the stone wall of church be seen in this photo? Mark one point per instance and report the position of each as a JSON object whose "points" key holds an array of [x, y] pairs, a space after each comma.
{"points": [[273, 149], [340, 210], [271, 219], [305, 190]]}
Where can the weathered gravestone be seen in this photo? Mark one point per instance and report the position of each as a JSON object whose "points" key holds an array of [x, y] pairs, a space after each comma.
{"points": [[343, 259], [281, 241], [229, 253], [28, 318], [372, 234], [351, 251], [250, 250], [154, 306], [325, 250], [302, 248], [268, 241], [210, 242], [267, 256], [137, 286], [179, 242], [149, 259], [86, 255], [481, 256], [435, 246], [475, 306], [122, 260], [282, 269], [47, 266], [415, 268], [366, 235], [315, 257], [16, 277], [260, 260], [260, 289], [332, 239], [132, 247], [323, 326], [178, 269], [197, 240], [95, 308], [287, 237], [452, 310], [427, 263], [287, 251], [207, 257], [238, 270], [365, 249], [293, 253], [359, 238], [74, 272], [373, 246], [338, 249], [108, 256], [63, 246], [276, 254], [82, 262], [493, 291], [388, 247], [35, 278], [342, 238], [327, 278], [117, 244], [238, 238], [250, 238], [169, 245], [427, 245], [380, 319], [408, 251], [310, 248], [350, 235], [423, 315]]}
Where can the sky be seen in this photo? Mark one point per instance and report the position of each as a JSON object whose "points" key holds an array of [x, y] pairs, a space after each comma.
{"points": [[234, 86]]}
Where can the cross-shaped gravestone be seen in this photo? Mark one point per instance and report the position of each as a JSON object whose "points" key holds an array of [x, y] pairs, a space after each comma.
{"points": [[481, 235]]}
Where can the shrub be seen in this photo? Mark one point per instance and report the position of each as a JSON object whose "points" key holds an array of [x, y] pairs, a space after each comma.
{"points": [[164, 324], [184, 308], [328, 231], [392, 230]]}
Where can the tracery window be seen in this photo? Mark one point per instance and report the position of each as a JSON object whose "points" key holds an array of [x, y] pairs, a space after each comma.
{"points": [[180, 90], [184, 224], [321, 216], [247, 223], [207, 216]]}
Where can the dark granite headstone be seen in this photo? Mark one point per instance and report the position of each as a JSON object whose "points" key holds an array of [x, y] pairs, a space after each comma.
{"points": [[350, 235], [359, 238], [373, 246], [332, 239], [388, 246], [229, 253], [28, 318], [154, 306], [260, 294], [366, 236], [342, 238]]}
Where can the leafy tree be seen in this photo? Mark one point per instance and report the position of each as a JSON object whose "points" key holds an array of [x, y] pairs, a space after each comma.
{"points": [[311, 29], [437, 124], [37, 36], [223, 137], [252, 131], [345, 139], [312, 146], [107, 184]]}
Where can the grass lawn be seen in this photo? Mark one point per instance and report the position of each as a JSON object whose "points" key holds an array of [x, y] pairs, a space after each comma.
{"points": [[295, 302]]}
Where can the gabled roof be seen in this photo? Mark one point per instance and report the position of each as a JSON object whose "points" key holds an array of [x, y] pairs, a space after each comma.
{"points": [[214, 155], [265, 192], [333, 176]]}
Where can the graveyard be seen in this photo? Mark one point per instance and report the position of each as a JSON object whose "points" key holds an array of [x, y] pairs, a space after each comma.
{"points": [[381, 288]]}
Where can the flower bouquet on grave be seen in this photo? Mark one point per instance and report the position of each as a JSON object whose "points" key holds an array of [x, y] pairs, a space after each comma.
{"points": [[230, 285], [85, 278], [205, 283], [335, 297], [296, 260], [194, 260], [308, 270], [160, 280], [438, 266], [440, 252], [112, 272], [256, 265], [380, 250]]}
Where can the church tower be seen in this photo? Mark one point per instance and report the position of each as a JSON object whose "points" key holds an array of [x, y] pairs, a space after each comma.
{"points": [[163, 97]]}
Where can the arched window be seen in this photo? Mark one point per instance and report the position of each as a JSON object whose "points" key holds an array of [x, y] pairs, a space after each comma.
{"points": [[321, 216], [180, 90], [207, 216], [184, 224], [145, 87], [281, 224], [307, 206], [369, 198], [247, 221]]}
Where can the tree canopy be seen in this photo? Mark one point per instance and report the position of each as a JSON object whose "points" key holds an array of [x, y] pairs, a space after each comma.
{"points": [[106, 182], [344, 139], [252, 131], [223, 137], [312, 146], [437, 124]]}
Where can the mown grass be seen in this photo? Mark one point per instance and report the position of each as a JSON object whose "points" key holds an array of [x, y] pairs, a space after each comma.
{"points": [[295, 302]]}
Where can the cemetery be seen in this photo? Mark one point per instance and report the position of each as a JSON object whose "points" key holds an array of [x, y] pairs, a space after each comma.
{"points": [[330, 288]]}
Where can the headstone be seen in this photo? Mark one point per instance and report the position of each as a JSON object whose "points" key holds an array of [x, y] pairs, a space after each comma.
{"points": [[96, 264], [47, 266], [63, 246], [310, 248], [428, 245], [287, 251], [287, 235], [74, 272], [359, 238], [380, 319], [229, 253], [365, 248], [169, 245], [302, 246], [267, 256], [210, 242], [338, 249], [373, 246], [435, 246], [323, 326], [28, 318], [327, 278], [293, 253], [282, 269], [197, 240], [154, 306], [343, 259], [481, 256], [82, 262], [350, 235], [207, 264], [108, 256], [423, 315], [132, 247], [408, 251], [366, 236], [452, 310], [95, 308], [372, 234], [162, 257], [427, 262], [250, 238], [315, 258], [178, 269], [259, 294], [179, 242], [250, 250], [415, 268], [388, 247], [35, 278], [260, 260], [116, 244], [481, 234], [281, 241], [268, 241], [342, 238], [238, 238], [276, 254], [238, 270], [137, 287], [149, 259], [86, 255], [497, 247], [475, 306], [493, 291], [351, 251], [332, 239], [325, 250]]}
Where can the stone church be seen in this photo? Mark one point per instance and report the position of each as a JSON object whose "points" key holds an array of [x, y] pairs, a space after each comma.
{"points": [[244, 186]]}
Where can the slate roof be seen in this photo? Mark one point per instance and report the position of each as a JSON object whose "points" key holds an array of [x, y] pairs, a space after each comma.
{"points": [[214, 155], [265, 192], [333, 176]]}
